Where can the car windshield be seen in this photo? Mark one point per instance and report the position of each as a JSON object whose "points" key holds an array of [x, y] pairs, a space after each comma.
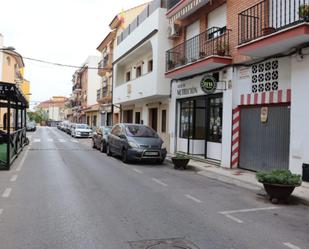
{"points": [[140, 131], [82, 126]]}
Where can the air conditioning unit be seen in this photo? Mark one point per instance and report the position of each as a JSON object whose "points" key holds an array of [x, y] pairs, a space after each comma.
{"points": [[173, 31]]}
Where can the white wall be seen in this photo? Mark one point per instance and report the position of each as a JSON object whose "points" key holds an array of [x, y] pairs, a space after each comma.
{"points": [[299, 149], [93, 80]]}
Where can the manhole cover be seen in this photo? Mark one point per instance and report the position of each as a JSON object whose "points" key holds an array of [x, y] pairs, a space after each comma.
{"points": [[163, 244]]}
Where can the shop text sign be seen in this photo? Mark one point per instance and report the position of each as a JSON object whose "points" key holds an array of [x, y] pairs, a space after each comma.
{"points": [[5, 89], [183, 90]]}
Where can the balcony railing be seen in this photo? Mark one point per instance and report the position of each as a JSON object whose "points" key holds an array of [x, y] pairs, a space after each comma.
{"points": [[172, 3], [214, 41], [270, 16], [76, 87], [151, 7], [106, 61], [103, 93]]}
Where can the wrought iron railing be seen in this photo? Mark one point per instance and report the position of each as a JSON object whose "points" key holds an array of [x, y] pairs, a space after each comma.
{"points": [[76, 87], [103, 92], [270, 16], [214, 41], [106, 62]]}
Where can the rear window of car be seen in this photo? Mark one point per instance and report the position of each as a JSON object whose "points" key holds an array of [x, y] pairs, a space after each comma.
{"points": [[81, 126], [140, 131]]}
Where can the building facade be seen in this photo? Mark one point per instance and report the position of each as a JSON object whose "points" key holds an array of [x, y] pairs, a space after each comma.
{"points": [[140, 87], [84, 93], [238, 82]]}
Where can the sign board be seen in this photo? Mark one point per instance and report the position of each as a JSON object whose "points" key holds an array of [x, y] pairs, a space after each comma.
{"points": [[208, 84], [264, 114], [183, 90], [244, 72]]}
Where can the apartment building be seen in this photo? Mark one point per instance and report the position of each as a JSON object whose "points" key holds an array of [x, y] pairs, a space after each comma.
{"points": [[86, 81], [140, 87], [238, 71]]}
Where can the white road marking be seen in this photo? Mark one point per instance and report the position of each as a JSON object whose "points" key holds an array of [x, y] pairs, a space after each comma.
{"points": [[7, 192], [21, 163], [248, 210], [74, 140], [290, 245], [50, 140], [37, 140], [193, 198], [14, 178], [61, 140], [228, 213], [138, 171], [159, 182]]}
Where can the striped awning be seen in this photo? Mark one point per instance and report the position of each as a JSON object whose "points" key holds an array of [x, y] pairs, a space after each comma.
{"points": [[188, 9]]}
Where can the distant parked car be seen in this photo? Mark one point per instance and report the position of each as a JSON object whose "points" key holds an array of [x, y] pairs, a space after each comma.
{"points": [[81, 130], [99, 138], [31, 126], [135, 142]]}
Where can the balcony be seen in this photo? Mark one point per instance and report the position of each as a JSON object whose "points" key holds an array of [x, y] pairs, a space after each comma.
{"points": [[104, 95], [151, 8], [172, 3], [207, 51], [76, 88], [105, 65], [75, 104], [272, 27]]}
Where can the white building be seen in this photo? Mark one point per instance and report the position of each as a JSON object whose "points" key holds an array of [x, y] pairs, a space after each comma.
{"points": [[140, 86]]}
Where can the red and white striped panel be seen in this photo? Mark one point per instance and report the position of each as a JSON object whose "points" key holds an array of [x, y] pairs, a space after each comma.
{"points": [[235, 137], [281, 96]]}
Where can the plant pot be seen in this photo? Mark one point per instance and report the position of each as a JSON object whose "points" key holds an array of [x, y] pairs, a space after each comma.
{"points": [[180, 163], [268, 30], [278, 192], [221, 52]]}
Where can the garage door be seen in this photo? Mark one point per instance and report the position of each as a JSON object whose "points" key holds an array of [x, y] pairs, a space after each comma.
{"points": [[264, 145]]}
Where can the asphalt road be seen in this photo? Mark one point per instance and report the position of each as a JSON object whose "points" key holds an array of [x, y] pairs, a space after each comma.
{"points": [[62, 194]]}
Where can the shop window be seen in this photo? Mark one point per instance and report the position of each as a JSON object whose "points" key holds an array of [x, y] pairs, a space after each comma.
{"points": [[163, 121], [150, 66], [137, 117], [138, 71], [128, 76], [215, 120], [199, 119], [186, 115]]}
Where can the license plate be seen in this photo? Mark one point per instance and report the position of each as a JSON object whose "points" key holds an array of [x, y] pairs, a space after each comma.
{"points": [[151, 153]]}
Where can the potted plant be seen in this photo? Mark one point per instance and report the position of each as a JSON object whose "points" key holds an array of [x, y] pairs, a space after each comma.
{"points": [[221, 48], [180, 161], [279, 184], [304, 11]]}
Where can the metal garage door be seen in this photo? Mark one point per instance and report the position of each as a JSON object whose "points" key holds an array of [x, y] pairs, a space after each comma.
{"points": [[264, 146]]}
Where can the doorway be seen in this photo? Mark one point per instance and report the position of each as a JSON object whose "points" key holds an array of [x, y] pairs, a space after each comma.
{"points": [[153, 118]]}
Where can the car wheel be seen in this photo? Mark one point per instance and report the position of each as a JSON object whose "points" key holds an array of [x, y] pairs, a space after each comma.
{"points": [[108, 152], [102, 147], [124, 156], [93, 144]]}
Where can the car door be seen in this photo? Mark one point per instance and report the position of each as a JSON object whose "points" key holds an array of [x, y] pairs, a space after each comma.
{"points": [[112, 139]]}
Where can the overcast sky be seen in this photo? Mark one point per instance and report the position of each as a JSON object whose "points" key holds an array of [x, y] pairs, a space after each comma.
{"points": [[63, 31]]}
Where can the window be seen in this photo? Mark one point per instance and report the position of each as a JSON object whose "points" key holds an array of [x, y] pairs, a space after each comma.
{"points": [[94, 120], [163, 121], [88, 120], [128, 76], [140, 131], [137, 117], [150, 66], [138, 71], [128, 116], [215, 120], [186, 114]]}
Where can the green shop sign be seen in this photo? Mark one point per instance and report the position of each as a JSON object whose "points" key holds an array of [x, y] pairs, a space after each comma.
{"points": [[208, 84]]}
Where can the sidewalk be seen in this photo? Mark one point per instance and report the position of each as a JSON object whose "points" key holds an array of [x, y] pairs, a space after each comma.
{"points": [[242, 178]]}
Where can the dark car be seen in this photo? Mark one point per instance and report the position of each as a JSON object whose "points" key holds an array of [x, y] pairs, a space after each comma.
{"points": [[135, 142], [99, 138]]}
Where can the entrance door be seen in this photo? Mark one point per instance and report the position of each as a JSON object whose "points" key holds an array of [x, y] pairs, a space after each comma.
{"points": [[128, 116], [153, 118], [265, 145]]}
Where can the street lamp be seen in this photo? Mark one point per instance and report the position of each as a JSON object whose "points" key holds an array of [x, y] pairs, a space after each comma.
{"points": [[10, 48]]}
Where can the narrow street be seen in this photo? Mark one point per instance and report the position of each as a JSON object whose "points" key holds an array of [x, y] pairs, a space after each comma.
{"points": [[61, 193]]}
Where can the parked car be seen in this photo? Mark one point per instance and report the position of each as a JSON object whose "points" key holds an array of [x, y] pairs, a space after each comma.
{"points": [[81, 130], [135, 142], [99, 138], [31, 126]]}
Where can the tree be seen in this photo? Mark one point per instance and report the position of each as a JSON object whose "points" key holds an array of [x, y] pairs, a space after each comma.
{"points": [[39, 116]]}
